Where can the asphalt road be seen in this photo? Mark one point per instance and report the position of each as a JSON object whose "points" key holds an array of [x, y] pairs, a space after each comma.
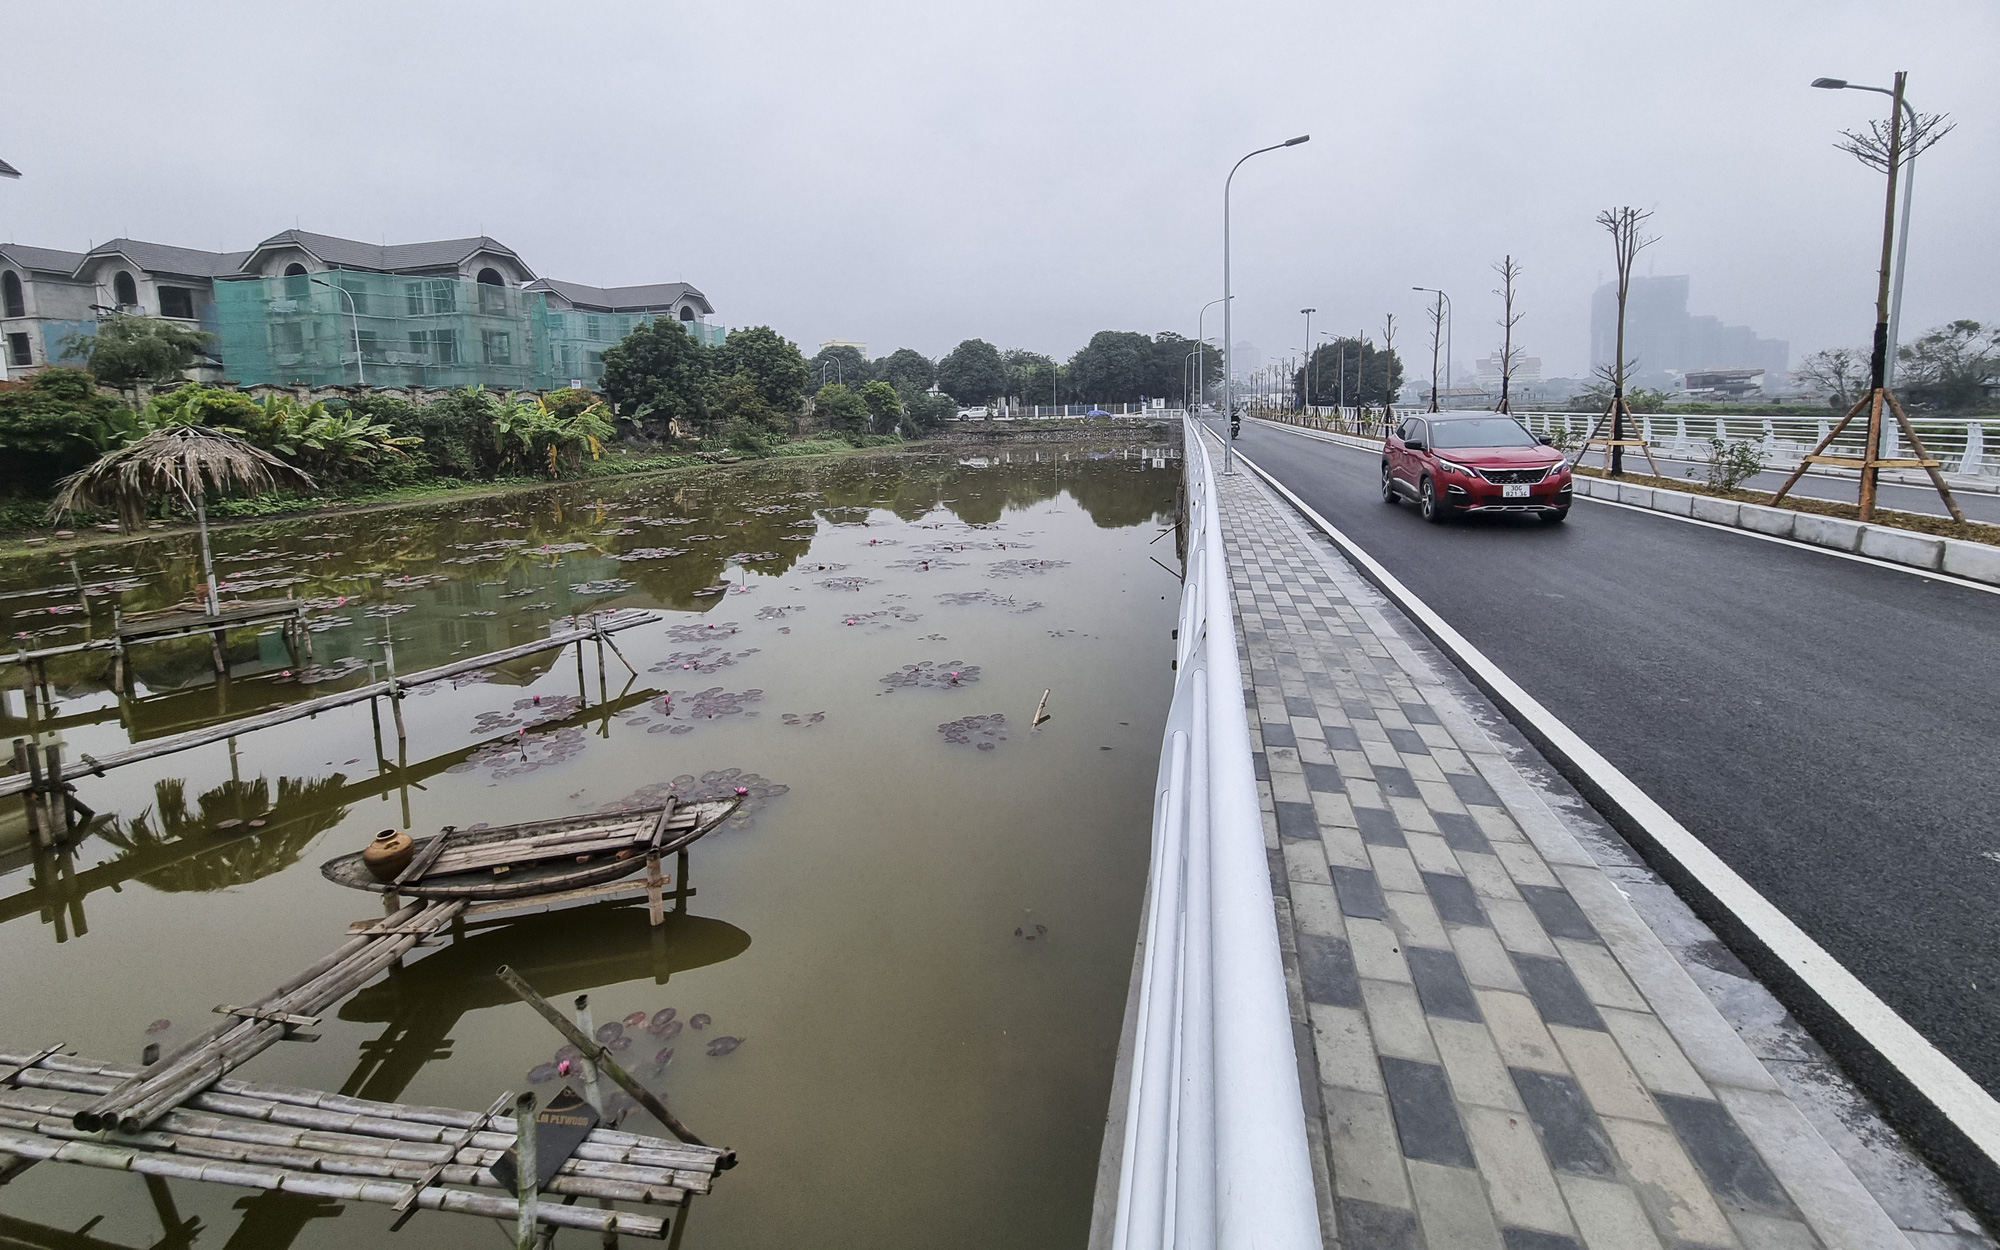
{"points": [[1827, 727]]}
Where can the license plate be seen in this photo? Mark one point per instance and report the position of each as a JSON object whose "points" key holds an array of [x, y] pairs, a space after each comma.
{"points": [[1514, 490]]}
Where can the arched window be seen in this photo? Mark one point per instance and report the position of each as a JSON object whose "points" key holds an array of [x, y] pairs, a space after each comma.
{"points": [[687, 313], [297, 285], [124, 291], [492, 298], [10, 292]]}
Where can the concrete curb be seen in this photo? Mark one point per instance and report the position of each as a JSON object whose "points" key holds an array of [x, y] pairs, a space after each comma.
{"points": [[1955, 557]]}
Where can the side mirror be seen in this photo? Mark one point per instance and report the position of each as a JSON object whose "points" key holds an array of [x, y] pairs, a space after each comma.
{"points": [[1415, 444], [1543, 440]]}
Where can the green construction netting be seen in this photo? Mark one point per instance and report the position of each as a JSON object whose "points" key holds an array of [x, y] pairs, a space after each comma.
{"points": [[343, 327]]}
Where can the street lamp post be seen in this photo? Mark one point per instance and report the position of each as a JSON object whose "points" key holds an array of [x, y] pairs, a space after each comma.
{"points": [[1902, 244], [354, 319], [1228, 342], [1446, 301], [1305, 383], [1201, 335]]}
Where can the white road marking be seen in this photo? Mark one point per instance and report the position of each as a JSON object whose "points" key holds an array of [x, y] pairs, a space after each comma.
{"points": [[1927, 574], [1952, 1094]]}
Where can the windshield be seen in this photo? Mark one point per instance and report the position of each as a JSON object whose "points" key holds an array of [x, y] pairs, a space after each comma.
{"points": [[1480, 432]]}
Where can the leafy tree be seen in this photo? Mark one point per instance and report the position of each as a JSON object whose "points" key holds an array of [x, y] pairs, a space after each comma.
{"points": [[841, 409], [1172, 371], [1368, 370], [128, 350], [885, 408], [906, 369], [1951, 366], [1836, 372], [927, 411], [769, 360], [845, 365], [659, 373], [1116, 366], [455, 428], [973, 372], [738, 402], [1031, 376], [59, 423]]}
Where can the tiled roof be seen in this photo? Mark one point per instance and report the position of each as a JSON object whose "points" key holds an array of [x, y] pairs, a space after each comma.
{"points": [[387, 258], [161, 258], [649, 298], [46, 259]]}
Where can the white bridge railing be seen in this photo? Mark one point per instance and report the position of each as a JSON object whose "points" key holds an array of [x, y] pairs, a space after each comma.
{"points": [[1215, 1149], [1958, 443]]}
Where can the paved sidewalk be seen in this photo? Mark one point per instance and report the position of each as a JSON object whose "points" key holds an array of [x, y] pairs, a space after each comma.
{"points": [[1496, 1050]]}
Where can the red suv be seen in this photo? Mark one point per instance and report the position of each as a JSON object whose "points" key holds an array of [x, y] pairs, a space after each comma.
{"points": [[1483, 462]]}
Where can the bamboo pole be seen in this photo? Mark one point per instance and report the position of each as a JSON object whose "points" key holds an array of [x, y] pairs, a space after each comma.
{"points": [[124, 1159], [593, 1050], [322, 1115], [525, 1167], [201, 1061]]}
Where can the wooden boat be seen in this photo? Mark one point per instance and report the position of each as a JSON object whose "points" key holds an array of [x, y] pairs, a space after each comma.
{"points": [[539, 857]]}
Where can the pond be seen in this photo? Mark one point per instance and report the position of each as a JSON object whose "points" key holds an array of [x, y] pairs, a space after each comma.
{"points": [[920, 927]]}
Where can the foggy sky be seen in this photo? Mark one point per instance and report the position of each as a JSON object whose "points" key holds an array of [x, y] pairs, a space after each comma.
{"points": [[1032, 171]]}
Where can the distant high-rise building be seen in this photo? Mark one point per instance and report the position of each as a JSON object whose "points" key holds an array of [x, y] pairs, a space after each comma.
{"points": [[1662, 339], [859, 347]]}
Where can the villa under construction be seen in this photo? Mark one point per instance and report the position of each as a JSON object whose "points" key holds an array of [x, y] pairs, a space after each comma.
{"points": [[303, 309]]}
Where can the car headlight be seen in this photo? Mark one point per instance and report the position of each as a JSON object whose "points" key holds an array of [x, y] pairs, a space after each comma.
{"points": [[1560, 467], [1452, 466]]}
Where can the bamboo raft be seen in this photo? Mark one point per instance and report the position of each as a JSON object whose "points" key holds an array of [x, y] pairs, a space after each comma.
{"points": [[309, 1142]]}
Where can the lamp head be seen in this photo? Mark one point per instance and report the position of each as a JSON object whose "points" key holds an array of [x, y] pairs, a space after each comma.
{"points": [[1829, 84], [1292, 143]]}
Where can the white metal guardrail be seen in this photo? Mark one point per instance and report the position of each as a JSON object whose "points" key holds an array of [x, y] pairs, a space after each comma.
{"points": [[1215, 1149]]}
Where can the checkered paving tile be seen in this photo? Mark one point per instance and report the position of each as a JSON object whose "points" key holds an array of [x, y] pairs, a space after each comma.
{"points": [[1499, 1053]]}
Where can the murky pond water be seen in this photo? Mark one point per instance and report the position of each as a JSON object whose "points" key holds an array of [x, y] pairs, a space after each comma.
{"points": [[921, 929]]}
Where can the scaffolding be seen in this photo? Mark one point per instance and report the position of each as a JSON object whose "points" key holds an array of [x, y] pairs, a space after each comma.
{"points": [[346, 327]]}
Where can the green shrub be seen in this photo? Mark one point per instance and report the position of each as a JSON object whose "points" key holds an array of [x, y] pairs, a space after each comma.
{"points": [[1730, 464]]}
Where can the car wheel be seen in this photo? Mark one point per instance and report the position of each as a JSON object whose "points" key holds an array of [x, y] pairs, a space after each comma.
{"points": [[1555, 518], [1427, 503], [1388, 485]]}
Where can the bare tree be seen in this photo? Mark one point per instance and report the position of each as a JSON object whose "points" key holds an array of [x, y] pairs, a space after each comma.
{"points": [[1510, 355], [1388, 372], [1436, 315], [1889, 148], [1872, 147], [1628, 239]]}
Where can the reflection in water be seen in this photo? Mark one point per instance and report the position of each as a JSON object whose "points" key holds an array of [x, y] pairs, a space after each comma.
{"points": [[559, 954], [304, 810], [915, 1074], [489, 573]]}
